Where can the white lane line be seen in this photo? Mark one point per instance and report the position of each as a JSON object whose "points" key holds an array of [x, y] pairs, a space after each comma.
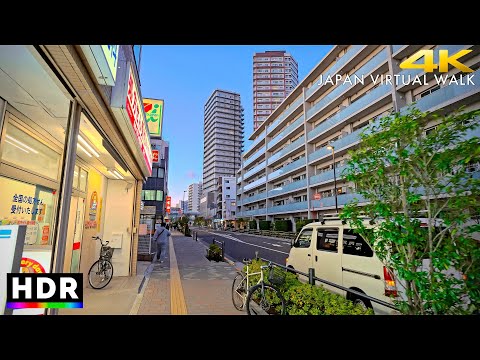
{"points": [[244, 242]]}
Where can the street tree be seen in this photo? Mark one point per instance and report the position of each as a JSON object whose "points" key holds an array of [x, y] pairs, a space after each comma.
{"points": [[425, 200]]}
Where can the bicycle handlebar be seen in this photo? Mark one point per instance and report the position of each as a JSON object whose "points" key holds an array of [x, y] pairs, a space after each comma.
{"points": [[101, 242]]}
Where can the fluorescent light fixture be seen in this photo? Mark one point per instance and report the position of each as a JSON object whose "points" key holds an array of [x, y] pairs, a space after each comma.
{"points": [[76, 173], [118, 174], [11, 143], [87, 145], [84, 150], [114, 175], [21, 144]]}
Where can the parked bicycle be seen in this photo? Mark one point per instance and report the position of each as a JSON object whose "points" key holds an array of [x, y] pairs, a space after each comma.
{"points": [[101, 272], [261, 298]]}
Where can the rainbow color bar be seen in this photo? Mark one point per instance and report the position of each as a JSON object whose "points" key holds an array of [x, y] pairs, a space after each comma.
{"points": [[44, 305]]}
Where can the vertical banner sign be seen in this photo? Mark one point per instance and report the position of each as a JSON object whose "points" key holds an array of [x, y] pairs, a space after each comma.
{"points": [[135, 114], [154, 111], [155, 156], [168, 203]]}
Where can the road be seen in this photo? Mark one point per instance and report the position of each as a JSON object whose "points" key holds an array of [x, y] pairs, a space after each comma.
{"points": [[239, 245]]}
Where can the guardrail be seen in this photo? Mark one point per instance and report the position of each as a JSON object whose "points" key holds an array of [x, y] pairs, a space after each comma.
{"points": [[312, 278]]}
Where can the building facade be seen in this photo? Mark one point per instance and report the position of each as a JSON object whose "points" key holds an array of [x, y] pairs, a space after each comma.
{"points": [[288, 171], [194, 195], [226, 198], [223, 140], [275, 75], [71, 163]]}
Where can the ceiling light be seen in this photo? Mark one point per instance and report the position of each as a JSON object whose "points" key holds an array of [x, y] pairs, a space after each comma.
{"points": [[11, 143], [118, 174], [114, 175], [21, 143], [84, 150], [88, 146]]}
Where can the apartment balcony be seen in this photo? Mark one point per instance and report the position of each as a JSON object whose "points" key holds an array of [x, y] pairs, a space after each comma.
{"points": [[254, 170], [239, 179], [294, 165], [326, 176], [255, 142], [288, 130], [354, 50], [336, 93], [286, 150], [250, 199], [252, 212], [448, 95], [341, 144], [255, 156], [452, 49], [366, 101], [286, 208], [284, 114], [296, 185], [255, 184], [342, 200]]}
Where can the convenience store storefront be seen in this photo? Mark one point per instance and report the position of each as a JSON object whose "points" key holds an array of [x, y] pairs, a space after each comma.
{"points": [[65, 173]]}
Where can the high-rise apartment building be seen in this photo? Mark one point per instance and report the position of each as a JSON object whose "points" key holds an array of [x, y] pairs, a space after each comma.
{"points": [[194, 194], [288, 170], [226, 198], [223, 138], [275, 75]]}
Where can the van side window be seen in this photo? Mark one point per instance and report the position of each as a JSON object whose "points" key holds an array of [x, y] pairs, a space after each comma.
{"points": [[327, 239], [354, 244], [304, 239]]}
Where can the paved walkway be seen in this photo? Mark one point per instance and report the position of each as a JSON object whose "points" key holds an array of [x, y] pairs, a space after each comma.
{"points": [[184, 282]]}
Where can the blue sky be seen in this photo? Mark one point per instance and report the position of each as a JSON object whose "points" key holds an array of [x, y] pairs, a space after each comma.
{"points": [[185, 76]]}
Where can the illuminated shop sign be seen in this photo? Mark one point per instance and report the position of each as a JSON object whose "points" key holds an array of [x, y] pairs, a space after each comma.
{"points": [[103, 60]]}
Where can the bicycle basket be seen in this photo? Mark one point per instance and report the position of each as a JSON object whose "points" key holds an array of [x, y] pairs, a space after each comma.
{"points": [[277, 276], [107, 252]]}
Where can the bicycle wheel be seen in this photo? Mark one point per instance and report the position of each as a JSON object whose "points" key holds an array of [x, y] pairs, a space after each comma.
{"points": [[268, 301], [239, 291], [100, 274]]}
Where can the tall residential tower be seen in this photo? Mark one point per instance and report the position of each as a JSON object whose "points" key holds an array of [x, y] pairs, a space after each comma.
{"points": [[275, 75], [194, 194]]}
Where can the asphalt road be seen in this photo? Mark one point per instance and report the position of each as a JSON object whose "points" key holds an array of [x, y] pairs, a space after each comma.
{"points": [[239, 246]]}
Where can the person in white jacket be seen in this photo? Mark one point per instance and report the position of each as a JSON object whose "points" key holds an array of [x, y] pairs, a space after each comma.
{"points": [[160, 237]]}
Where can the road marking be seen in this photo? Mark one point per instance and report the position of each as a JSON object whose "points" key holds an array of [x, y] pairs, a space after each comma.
{"points": [[244, 242], [272, 244], [177, 299]]}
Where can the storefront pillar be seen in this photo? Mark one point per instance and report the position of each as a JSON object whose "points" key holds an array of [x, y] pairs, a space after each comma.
{"points": [[136, 224], [65, 191]]}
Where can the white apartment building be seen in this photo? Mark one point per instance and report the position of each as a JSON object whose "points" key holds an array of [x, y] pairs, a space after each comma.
{"points": [[194, 195]]}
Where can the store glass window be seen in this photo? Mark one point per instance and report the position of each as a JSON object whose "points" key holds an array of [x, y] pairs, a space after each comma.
{"points": [[76, 175], [159, 195], [26, 152], [27, 204], [83, 180], [154, 172], [161, 173]]}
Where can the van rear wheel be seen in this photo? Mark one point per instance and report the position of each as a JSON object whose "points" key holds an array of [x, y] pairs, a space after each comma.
{"points": [[364, 303]]}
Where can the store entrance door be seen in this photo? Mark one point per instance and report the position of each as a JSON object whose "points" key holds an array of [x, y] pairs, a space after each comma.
{"points": [[74, 235]]}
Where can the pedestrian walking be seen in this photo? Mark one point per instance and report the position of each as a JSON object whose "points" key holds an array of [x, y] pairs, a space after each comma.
{"points": [[160, 237]]}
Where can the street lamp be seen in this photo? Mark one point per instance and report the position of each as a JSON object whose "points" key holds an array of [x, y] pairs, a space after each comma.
{"points": [[331, 147]]}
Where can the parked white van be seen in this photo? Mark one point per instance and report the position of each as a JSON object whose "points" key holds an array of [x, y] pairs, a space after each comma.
{"points": [[341, 256]]}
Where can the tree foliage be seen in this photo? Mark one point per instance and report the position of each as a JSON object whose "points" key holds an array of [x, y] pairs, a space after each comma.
{"points": [[410, 177]]}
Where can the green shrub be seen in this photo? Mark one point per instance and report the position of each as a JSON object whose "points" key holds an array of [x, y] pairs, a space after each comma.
{"points": [[305, 299], [252, 224], [264, 224], [301, 223], [282, 225], [214, 252]]}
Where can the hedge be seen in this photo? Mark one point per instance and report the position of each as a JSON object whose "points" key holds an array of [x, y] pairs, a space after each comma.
{"points": [[264, 225], [305, 299], [301, 223], [252, 224], [282, 225]]}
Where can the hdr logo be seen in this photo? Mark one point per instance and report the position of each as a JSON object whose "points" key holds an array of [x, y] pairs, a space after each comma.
{"points": [[44, 291]]}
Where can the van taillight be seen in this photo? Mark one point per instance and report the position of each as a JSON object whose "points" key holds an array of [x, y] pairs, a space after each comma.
{"points": [[390, 286]]}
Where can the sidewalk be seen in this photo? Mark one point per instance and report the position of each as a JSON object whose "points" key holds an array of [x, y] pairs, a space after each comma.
{"points": [[185, 282]]}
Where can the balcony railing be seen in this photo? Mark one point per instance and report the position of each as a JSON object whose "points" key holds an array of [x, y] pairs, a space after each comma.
{"points": [[294, 206], [395, 48], [286, 150], [342, 200], [284, 114], [254, 156], [292, 166], [413, 72], [255, 183], [254, 170], [285, 132], [340, 144], [338, 65], [289, 187], [344, 114], [249, 199], [364, 70], [255, 142], [252, 212], [326, 176]]}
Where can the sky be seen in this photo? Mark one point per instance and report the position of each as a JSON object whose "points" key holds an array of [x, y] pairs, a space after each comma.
{"points": [[185, 77]]}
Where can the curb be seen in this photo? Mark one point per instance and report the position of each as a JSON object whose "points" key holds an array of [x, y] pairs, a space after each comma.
{"points": [[227, 260], [261, 236]]}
